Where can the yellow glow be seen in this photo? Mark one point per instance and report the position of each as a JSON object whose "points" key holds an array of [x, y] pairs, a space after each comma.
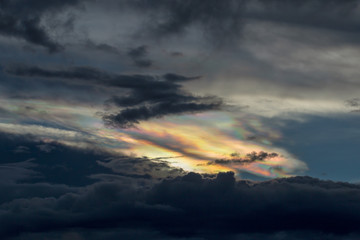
{"points": [[189, 142]]}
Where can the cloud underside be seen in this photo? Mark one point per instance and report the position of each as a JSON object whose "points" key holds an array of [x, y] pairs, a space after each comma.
{"points": [[191, 206], [146, 96]]}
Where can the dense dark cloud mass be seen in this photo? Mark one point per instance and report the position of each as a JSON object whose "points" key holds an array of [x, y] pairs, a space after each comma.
{"points": [[19, 19], [193, 206], [149, 96], [139, 55], [249, 158], [130, 116]]}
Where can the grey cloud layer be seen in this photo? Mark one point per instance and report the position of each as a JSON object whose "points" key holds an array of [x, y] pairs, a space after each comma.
{"points": [[148, 96], [221, 21], [19, 19]]}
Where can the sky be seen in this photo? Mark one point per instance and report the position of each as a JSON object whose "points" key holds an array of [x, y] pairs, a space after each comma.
{"points": [[179, 119]]}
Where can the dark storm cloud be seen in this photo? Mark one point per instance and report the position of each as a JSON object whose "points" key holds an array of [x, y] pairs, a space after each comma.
{"points": [[138, 55], [28, 167], [28, 30], [148, 97], [249, 158], [193, 206], [13, 172], [89, 75], [144, 63], [22, 19], [130, 116], [138, 52], [31, 160], [178, 78]]}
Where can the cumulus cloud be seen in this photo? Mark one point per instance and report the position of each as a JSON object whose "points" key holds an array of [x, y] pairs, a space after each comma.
{"points": [[194, 206]]}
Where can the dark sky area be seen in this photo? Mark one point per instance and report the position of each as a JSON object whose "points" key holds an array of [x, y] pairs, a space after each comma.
{"points": [[179, 119]]}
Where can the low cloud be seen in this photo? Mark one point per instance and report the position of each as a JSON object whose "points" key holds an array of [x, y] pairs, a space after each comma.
{"points": [[193, 206]]}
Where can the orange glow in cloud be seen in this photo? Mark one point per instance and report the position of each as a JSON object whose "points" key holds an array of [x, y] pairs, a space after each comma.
{"points": [[190, 142]]}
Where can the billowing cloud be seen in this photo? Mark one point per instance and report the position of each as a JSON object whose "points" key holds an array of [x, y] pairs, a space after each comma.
{"points": [[193, 206]]}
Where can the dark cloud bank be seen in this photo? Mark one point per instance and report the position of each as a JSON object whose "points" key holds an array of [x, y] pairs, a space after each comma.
{"points": [[192, 206], [65, 193], [147, 96]]}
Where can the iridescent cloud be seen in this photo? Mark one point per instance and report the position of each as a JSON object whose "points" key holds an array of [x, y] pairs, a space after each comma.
{"points": [[192, 142]]}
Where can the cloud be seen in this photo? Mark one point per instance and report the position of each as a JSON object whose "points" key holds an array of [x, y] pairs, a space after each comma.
{"points": [[138, 55], [193, 206], [309, 13], [222, 22], [13, 172], [172, 77], [353, 103], [22, 19], [21, 149], [249, 158], [102, 47], [141, 167], [27, 29], [130, 116], [149, 96], [219, 20], [138, 52], [90, 75]]}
